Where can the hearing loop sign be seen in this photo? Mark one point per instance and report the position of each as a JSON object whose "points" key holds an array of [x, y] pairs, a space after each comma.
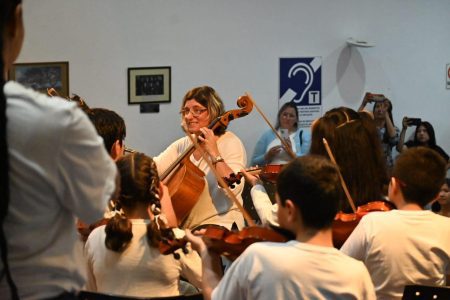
{"points": [[301, 83]]}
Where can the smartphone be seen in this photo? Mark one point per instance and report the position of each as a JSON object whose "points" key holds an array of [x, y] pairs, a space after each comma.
{"points": [[414, 121], [377, 97], [284, 133]]}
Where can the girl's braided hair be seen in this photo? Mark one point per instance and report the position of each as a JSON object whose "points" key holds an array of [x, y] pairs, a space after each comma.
{"points": [[140, 184]]}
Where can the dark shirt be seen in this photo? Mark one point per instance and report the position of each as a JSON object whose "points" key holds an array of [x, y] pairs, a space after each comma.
{"points": [[436, 148]]}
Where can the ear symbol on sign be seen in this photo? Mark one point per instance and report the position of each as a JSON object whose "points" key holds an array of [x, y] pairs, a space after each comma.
{"points": [[309, 74]]}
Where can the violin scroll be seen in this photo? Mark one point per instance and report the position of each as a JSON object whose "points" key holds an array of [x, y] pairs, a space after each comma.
{"points": [[51, 92], [246, 106]]}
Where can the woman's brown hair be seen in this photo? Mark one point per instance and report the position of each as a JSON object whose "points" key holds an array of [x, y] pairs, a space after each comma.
{"points": [[357, 150], [209, 98]]}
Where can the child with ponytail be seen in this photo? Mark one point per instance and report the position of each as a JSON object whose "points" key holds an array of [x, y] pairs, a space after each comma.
{"points": [[128, 243]]}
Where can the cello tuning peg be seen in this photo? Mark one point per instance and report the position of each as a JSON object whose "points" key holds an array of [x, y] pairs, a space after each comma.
{"points": [[185, 250], [176, 255]]}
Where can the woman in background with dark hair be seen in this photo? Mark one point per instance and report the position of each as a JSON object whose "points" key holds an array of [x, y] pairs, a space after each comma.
{"points": [[423, 136], [268, 149], [128, 243], [53, 168]]}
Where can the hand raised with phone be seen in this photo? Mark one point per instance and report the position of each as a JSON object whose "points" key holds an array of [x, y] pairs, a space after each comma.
{"points": [[407, 122], [370, 97]]}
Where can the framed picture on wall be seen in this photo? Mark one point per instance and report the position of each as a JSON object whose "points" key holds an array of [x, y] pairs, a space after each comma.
{"points": [[149, 85], [43, 75]]}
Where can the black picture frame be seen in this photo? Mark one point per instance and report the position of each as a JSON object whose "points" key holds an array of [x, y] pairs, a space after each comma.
{"points": [[149, 85], [42, 75]]}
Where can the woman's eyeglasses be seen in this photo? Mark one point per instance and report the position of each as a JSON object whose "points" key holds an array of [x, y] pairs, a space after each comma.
{"points": [[194, 111]]}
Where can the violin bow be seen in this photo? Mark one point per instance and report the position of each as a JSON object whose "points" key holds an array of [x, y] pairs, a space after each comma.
{"points": [[222, 183], [344, 186], [283, 142]]}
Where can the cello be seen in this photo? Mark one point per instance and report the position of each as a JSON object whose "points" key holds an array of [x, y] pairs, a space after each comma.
{"points": [[184, 180], [344, 223]]}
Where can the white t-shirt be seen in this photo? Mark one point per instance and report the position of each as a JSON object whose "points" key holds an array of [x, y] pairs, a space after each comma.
{"points": [[294, 270], [213, 205], [140, 270], [59, 169], [402, 247]]}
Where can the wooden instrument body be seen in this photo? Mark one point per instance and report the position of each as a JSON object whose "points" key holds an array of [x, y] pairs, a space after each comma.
{"points": [[344, 224], [185, 185], [229, 243]]}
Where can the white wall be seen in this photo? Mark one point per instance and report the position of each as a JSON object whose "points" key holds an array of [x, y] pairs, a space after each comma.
{"points": [[235, 46]]}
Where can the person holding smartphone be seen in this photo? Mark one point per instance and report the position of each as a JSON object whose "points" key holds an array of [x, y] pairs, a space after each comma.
{"points": [[382, 114], [269, 150], [423, 136]]}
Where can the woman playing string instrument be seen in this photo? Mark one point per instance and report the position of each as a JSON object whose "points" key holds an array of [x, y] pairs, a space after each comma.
{"points": [[354, 142], [199, 108]]}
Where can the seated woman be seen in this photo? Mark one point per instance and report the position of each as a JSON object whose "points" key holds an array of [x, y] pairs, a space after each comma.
{"points": [[423, 136], [123, 256], [268, 149]]}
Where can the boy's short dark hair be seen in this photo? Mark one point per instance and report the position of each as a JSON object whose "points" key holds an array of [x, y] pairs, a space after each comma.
{"points": [[312, 183], [109, 125], [421, 172]]}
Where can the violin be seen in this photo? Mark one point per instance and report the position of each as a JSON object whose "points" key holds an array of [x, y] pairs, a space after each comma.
{"points": [[268, 173], [226, 242], [344, 223], [231, 244], [75, 98]]}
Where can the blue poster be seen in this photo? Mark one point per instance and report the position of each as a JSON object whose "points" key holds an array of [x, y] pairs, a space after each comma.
{"points": [[301, 82]]}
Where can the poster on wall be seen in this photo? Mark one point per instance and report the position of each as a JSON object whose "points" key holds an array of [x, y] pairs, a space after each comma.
{"points": [[448, 76], [301, 83]]}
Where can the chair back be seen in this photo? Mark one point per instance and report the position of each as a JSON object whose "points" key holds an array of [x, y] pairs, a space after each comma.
{"points": [[85, 295], [425, 292]]}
